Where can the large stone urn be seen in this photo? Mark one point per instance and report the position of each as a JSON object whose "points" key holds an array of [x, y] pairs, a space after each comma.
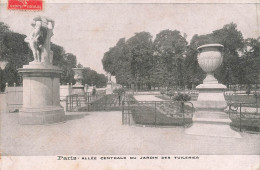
{"points": [[78, 88], [210, 118], [209, 59], [211, 94], [41, 79]]}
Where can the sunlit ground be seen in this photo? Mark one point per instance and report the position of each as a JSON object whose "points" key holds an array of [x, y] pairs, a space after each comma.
{"points": [[102, 133]]}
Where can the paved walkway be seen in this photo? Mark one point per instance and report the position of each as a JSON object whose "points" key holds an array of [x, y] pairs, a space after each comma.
{"points": [[101, 133]]}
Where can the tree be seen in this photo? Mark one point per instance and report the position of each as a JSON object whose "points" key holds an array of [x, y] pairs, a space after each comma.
{"points": [[139, 50], [69, 62], [169, 48], [117, 62], [232, 40], [194, 74], [92, 77], [168, 61], [230, 71], [15, 51], [130, 60], [250, 61], [112, 58]]}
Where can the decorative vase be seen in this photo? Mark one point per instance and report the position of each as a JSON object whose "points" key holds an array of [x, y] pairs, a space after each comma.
{"points": [[78, 75], [78, 88], [209, 59]]}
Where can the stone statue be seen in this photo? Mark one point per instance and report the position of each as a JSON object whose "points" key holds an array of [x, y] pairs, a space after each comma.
{"points": [[39, 39]]}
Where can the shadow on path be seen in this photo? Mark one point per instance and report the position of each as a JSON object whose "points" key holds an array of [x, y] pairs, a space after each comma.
{"points": [[74, 117]]}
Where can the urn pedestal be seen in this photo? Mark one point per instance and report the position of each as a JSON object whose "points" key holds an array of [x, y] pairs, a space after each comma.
{"points": [[210, 118], [41, 94], [78, 88]]}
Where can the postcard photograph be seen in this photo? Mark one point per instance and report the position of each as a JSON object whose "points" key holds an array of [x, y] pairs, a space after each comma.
{"points": [[143, 79]]}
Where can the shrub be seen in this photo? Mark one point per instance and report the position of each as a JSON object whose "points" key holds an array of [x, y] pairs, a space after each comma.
{"points": [[163, 91], [170, 93], [119, 91], [182, 97]]}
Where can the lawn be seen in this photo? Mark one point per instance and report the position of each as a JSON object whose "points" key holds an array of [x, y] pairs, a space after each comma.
{"points": [[243, 99], [248, 123], [147, 115], [229, 98]]}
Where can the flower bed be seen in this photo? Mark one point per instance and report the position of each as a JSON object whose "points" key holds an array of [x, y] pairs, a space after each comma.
{"points": [[249, 121], [161, 115]]}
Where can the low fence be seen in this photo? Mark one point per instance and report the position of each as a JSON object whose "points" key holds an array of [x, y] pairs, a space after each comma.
{"points": [[76, 101], [14, 98], [245, 116], [86, 102], [157, 113]]}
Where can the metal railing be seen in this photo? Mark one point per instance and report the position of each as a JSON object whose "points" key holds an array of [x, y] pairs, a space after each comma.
{"points": [[245, 116], [157, 113], [86, 102], [75, 101]]}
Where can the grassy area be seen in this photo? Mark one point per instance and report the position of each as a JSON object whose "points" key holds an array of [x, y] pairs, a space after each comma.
{"points": [[249, 121], [243, 99], [146, 115], [248, 124]]}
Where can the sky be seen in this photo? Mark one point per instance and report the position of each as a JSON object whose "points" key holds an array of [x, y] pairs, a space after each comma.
{"points": [[89, 30]]}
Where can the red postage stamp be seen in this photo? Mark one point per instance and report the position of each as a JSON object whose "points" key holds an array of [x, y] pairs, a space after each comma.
{"points": [[25, 4]]}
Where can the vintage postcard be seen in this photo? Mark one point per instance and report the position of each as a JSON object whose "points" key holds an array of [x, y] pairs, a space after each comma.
{"points": [[129, 85]]}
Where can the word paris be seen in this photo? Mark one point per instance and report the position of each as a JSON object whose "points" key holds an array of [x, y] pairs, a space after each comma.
{"points": [[65, 158]]}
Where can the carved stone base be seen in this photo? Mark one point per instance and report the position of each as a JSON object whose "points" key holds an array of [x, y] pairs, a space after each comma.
{"points": [[210, 123], [211, 97], [212, 130], [38, 116], [78, 89], [210, 118], [41, 94]]}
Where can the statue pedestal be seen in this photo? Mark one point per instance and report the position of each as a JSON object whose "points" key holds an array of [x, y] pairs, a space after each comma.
{"points": [[41, 94], [210, 118], [78, 89], [211, 97]]}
